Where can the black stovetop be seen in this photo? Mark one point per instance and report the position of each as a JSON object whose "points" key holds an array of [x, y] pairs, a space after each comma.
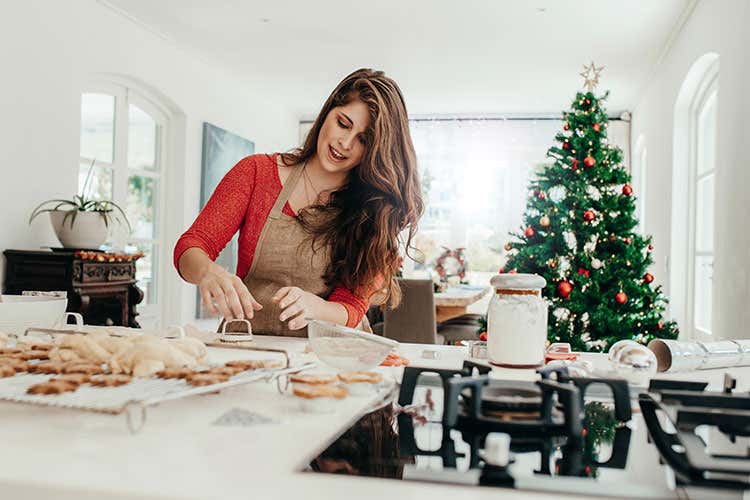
{"points": [[612, 454]]}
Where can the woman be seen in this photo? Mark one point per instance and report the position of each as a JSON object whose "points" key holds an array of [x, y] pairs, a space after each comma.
{"points": [[319, 227]]}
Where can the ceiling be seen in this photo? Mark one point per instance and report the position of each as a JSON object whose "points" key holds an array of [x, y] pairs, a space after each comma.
{"points": [[449, 57]]}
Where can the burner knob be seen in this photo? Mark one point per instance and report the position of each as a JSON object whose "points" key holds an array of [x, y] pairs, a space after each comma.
{"points": [[497, 449]]}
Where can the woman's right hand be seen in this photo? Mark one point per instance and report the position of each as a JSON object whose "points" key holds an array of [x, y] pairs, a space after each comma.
{"points": [[224, 293]]}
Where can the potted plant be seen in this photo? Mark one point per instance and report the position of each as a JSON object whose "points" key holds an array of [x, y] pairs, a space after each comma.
{"points": [[82, 222]]}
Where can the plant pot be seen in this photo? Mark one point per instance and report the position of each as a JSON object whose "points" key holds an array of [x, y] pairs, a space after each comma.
{"points": [[87, 232]]}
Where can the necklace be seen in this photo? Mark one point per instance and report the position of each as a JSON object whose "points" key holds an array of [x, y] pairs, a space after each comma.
{"points": [[309, 181]]}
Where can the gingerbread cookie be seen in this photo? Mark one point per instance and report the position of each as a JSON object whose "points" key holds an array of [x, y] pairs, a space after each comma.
{"points": [[52, 387], [18, 365], [112, 380], [308, 391], [7, 371], [175, 373], [33, 354], [87, 368], [41, 347], [254, 364], [9, 351], [48, 367], [199, 379], [76, 378], [312, 379], [355, 377], [224, 370]]}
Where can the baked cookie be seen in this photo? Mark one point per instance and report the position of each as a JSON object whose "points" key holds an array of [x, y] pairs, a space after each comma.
{"points": [[76, 378], [312, 379], [199, 379], [41, 347], [356, 377], [175, 373], [254, 364], [111, 380], [308, 391], [224, 370], [33, 354], [9, 351], [87, 368], [7, 371], [48, 367], [18, 365], [52, 388]]}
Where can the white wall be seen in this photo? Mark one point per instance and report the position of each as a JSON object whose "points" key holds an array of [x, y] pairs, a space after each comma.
{"points": [[48, 50], [715, 26]]}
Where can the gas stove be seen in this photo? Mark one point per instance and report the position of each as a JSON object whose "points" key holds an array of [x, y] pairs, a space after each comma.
{"points": [[561, 434]]}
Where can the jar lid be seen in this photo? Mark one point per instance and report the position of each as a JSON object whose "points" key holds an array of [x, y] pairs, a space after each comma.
{"points": [[514, 281]]}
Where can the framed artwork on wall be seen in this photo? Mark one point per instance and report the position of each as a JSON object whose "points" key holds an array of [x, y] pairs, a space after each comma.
{"points": [[221, 151]]}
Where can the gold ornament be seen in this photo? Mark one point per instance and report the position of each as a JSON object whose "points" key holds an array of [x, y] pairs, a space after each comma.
{"points": [[544, 221], [591, 76], [507, 247]]}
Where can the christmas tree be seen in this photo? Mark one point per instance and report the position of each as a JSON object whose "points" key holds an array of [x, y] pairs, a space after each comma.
{"points": [[579, 234]]}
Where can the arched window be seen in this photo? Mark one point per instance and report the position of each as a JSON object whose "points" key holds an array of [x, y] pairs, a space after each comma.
{"points": [[123, 132], [693, 176]]}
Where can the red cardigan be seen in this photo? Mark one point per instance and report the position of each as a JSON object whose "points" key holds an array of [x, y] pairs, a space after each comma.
{"points": [[242, 200]]}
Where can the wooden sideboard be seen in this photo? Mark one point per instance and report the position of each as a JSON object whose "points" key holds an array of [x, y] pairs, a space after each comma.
{"points": [[104, 292]]}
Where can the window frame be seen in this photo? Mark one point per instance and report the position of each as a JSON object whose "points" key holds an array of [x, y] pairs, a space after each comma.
{"points": [[125, 94], [707, 89]]}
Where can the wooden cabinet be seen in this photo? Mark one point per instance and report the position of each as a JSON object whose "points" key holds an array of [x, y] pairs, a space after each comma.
{"points": [[104, 292]]}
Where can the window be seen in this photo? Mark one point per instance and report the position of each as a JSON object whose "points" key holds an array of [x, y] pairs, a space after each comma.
{"points": [[693, 176], [475, 175], [702, 193], [122, 134]]}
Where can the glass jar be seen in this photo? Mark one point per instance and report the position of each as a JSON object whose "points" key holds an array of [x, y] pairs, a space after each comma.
{"points": [[517, 321]]}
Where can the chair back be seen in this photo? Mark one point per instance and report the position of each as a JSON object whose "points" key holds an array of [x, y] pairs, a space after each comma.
{"points": [[414, 319]]}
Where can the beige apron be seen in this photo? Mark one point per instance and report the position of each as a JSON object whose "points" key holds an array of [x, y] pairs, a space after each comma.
{"points": [[284, 256]]}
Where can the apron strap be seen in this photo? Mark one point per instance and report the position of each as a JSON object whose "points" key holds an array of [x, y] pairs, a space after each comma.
{"points": [[286, 191]]}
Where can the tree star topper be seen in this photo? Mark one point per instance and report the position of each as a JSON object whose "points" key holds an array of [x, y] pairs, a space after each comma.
{"points": [[591, 75]]}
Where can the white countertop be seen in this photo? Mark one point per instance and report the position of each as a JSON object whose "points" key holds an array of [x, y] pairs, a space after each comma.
{"points": [[180, 454]]}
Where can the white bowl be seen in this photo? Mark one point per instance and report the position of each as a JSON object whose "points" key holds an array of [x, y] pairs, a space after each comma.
{"points": [[19, 312], [347, 348]]}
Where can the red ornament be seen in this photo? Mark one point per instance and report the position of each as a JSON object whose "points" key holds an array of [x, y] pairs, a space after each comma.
{"points": [[564, 288], [566, 145], [529, 232], [627, 190], [627, 241], [589, 161], [648, 278], [589, 215], [588, 101], [501, 270], [483, 336], [566, 126], [584, 272], [621, 298], [575, 164], [650, 246], [596, 127], [513, 271], [542, 195], [660, 326]]}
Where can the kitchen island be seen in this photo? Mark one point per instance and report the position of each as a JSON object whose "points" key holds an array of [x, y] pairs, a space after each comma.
{"points": [[181, 453]]}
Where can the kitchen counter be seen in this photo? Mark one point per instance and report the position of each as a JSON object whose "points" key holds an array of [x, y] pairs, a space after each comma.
{"points": [[179, 453]]}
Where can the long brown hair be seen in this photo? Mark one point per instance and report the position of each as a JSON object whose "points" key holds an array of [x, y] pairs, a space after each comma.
{"points": [[383, 197]]}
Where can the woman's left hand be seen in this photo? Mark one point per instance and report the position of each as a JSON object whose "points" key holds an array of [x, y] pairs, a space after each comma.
{"points": [[297, 306]]}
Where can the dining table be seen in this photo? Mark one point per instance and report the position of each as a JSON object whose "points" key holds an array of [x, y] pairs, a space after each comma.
{"points": [[454, 300]]}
